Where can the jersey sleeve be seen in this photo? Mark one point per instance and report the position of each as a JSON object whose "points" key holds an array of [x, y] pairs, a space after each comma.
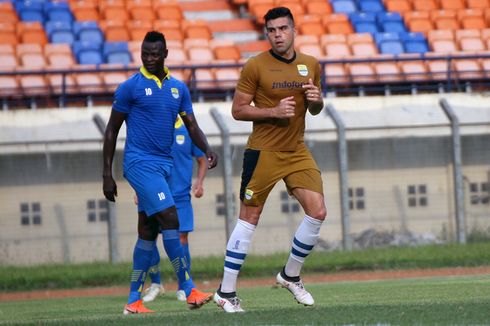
{"points": [[186, 103], [249, 78], [122, 97]]}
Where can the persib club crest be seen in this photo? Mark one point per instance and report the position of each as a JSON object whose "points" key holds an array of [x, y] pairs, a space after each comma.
{"points": [[175, 92], [248, 194], [303, 70], [180, 139]]}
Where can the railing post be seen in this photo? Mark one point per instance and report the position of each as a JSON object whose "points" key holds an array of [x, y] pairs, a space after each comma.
{"points": [[343, 179], [457, 171], [227, 171]]}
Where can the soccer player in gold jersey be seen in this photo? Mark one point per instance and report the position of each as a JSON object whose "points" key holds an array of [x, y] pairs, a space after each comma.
{"points": [[283, 85]]}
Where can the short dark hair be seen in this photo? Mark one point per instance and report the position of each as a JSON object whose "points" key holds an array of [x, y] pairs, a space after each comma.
{"points": [[278, 12], [155, 36]]}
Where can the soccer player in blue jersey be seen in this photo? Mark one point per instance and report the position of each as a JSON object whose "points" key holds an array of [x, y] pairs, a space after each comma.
{"points": [[149, 102], [180, 181]]}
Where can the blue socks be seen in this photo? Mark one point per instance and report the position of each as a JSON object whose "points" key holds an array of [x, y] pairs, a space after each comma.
{"points": [[142, 255], [154, 271], [175, 252]]}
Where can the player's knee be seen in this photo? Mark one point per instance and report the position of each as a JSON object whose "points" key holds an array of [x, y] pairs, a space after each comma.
{"points": [[147, 227], [168, 219], [319, 214]]}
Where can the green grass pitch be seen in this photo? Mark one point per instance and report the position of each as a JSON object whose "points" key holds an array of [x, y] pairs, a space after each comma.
{"points": [[462, 300]]}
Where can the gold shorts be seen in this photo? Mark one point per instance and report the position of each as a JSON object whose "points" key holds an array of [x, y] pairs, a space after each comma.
{"points": [[263, 169]]}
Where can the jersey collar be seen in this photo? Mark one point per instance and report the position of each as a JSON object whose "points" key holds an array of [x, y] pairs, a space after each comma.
{"points": [[155, 78], [278, 57]]}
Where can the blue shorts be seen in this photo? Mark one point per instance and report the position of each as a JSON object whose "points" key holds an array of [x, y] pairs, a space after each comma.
{"points": [[186, 215], [148, 180]]}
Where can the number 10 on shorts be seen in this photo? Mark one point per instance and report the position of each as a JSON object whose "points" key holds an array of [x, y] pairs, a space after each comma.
{"points": [[161, 196]]}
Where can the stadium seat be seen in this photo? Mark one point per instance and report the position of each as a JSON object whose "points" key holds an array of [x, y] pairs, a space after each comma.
{"points": [[24, 48], [224, 52], [374, 6], [477, 4], [335, 46], [58, 11], [141, 10], [8, 13], [115, 30], [445, 19], [389, 43], [88, 53], [8, 34], [295, 6], [33, 85], [176, 56], [204, 78], [84, 11], [391, 22], [31, 32], [337, 24], [414, 70], [250, 48], [8, 61], [60, 60], [112, 79], [114, 11], [7, 49], [310, 25], [199, 43], [306, 39], [57, 48], [33, 60], [425, 5], [361, 73], [170, 28], [168, 10], [344, 6], [200, 55], [259, 8], [419, 21], [312, 49], [442, 41], [468, 69], [9, 86], [471, 19], [362, 45], [138, 29], [387, 72], [414, 42], [452, 4], [30, 11], [89, 83], [116, 53], [226, 77], [88, 31], [60, 32], [400, 6], [55, 82], [196, 29], [318, 7], [364, 22], [336, 74], [472, 44]]}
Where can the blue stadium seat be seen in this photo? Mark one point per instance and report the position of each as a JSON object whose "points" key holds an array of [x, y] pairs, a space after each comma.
{"points": [[344, 6], [59, 32], [30, 11], [389, 43], [58, 11], [391, 22], [370, 5], [87, 52], [364, 22], [88, 31], [116, 52], [414, 42]]}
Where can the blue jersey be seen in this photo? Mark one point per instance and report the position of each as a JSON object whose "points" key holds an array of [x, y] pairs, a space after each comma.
{"points": [[151, 107], [183, 152]]}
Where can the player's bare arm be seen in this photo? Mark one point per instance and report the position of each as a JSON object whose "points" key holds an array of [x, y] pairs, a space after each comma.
{"points": [[202, 168], [314, 98], [199, 139], [242, 110], [110, 137]]}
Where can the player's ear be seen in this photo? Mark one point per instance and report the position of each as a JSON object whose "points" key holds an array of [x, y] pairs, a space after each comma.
{"points": [[165, 53]]}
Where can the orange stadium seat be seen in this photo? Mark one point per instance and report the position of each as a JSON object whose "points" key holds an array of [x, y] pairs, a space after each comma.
{"points": [[438, 69], [337, 24], [33, 60], [176, 57], [55, 81], [310, 25], [362, 45], [204, 78], [8, 13], [115, 30], [337, 50], [58, 48], [7, 49], [468, 69], [485, 65], [418, 21], [226, 77], [112, 79], [253, 47], [9, 86], [401, 6], [89, 83], [141, 9], [336, 74], [170, 28], [306, 39], [295, 6], [31, 32], [472, 45], [113, 10], [138, 29], [24, 48], [197, 29], [414, 70], [8, 33], [84, 11], [168, 10], [259, 8], [452, 4], [387, 72], [425, 5], [60, 60], [8, 61], [445, 19], [196, 42], [472, 18], [200, 55], [362, 73], [477, 4], [442, 34], [318, 7], [312, 49], [33, 85], [444, 46], [227, 53]]}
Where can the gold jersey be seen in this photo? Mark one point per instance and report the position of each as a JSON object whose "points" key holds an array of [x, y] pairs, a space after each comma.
{"points": [[270, 78]]}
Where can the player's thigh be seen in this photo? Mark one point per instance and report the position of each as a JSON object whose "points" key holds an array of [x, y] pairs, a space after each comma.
{"points": [[151, 188], [307, 187], [186, 215]]}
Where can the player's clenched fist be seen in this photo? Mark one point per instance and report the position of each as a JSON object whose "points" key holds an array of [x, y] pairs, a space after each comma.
{"points": [[285, 108]]}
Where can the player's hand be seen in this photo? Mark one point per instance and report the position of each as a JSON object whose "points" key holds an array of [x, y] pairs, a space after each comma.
{"points": [[110, 188], [312, 92], [197, 189], [285, 108], [212, 158]]}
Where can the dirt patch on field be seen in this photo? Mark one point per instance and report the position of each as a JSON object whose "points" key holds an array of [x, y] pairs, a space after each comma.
{"points": [[213, 284]]}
